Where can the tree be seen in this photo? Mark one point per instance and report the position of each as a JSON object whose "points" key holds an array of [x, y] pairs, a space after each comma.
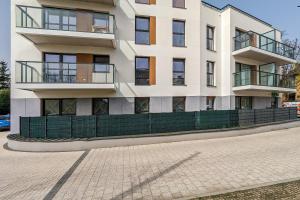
{"points": [[4, 76], [4, 101]]}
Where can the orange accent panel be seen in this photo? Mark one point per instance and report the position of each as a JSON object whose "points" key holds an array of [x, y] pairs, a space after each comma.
{"points": [[152, 80], [84, 68], [152, 30], [152, 2]]}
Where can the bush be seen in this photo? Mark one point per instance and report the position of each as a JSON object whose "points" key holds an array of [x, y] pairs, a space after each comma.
{"points": [[4, 101]]}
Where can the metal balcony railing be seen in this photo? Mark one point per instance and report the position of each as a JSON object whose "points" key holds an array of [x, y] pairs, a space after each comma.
{"points": [[261, 78], [64, 20], [262, 42], [64, 73]]}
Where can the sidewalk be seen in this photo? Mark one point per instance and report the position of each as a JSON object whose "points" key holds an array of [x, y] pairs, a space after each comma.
{"points": [[179, 170]]}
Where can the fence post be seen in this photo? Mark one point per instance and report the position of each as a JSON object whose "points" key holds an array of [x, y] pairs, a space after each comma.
{"points": [[150, 123], [46, 125], [254, 116], [71, 129]]}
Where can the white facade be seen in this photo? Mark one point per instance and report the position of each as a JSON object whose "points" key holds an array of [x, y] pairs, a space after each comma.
{"points": [[29, 44]]}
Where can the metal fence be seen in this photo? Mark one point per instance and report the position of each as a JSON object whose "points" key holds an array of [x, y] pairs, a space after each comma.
{"points": [[66, 127]]}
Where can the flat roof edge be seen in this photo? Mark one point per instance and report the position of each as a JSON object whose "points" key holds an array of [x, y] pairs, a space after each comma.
{"points": [[237, 9]]}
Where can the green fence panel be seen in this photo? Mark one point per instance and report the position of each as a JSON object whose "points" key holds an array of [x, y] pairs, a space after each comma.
{"points": [[84, 126], [263, 116], [172, 122], [216, 119], [122, 125], [246, 117], [293, 113], [59, 127], [37, 127], [25, 127], [281, 114]]}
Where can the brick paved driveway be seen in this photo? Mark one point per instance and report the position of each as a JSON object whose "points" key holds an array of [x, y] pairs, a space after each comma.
{"points": [[161, 171]]}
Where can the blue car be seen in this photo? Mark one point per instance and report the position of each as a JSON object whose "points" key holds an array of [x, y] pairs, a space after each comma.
{"points": [[4, 122]]}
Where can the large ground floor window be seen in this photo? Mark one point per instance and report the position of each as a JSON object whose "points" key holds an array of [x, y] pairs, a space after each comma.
{"points": [[53, 107], [243, 103], [178, 104], [101, 106], [142, 105]]}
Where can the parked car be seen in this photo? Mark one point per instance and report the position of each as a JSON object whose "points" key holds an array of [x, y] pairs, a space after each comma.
{"points": [[4, 122], [293, 104]]}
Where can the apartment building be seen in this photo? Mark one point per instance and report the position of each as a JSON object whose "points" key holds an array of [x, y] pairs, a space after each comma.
{"points": [[114, 57]]}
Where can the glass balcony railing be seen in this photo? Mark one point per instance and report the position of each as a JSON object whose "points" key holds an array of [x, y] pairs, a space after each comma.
{"points": [[64, 20], [262, 42], [70, 73], [261, 78]]}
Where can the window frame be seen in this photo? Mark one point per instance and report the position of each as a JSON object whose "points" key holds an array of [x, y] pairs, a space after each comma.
{"points": [[143, 31], [135, 71], [147, 3], [93, 106], [135, 105], [173, 105], [210, 39], [184, 62], [213, 103], [60, 107], [210, 75], [179, 34], [174, 5]]}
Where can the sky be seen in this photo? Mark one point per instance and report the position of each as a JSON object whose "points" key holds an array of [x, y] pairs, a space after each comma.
{"points": [[283, 14]]}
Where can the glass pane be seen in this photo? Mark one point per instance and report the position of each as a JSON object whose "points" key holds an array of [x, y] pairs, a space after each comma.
{"points": [[179, 104], [178, 65], [101, 59], [142, 37], [142, 63], [142, 24], [101, 22], [178, 40], [101, 107], [101, 68], [52, 58], [69, 58], [179, 3], [68, 107], [51, 107], [141, 105], [178, 27]]}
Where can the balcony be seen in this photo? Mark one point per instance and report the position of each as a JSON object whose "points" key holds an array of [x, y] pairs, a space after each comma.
{"points": [[66, 27], [258, 47], [251, 80], [37, 76]]}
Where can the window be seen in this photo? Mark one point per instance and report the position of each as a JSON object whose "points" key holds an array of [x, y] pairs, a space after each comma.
{"points": [[142, 71], [101, 23], [59, 68], [52, 107], [178, 3], [142, 1], [178, 104], [101, 64], [210, 38], [178, 33], [58, 19], [243, 103], [210, 74], [210, 102], [142, 30], [141, 105], [178, 71], [100, 106]]}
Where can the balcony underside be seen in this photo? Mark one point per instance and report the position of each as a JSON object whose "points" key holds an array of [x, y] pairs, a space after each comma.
{"points": [[42, 36], [262, 56], [36, 87], [255, 88], [109, 2]]}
